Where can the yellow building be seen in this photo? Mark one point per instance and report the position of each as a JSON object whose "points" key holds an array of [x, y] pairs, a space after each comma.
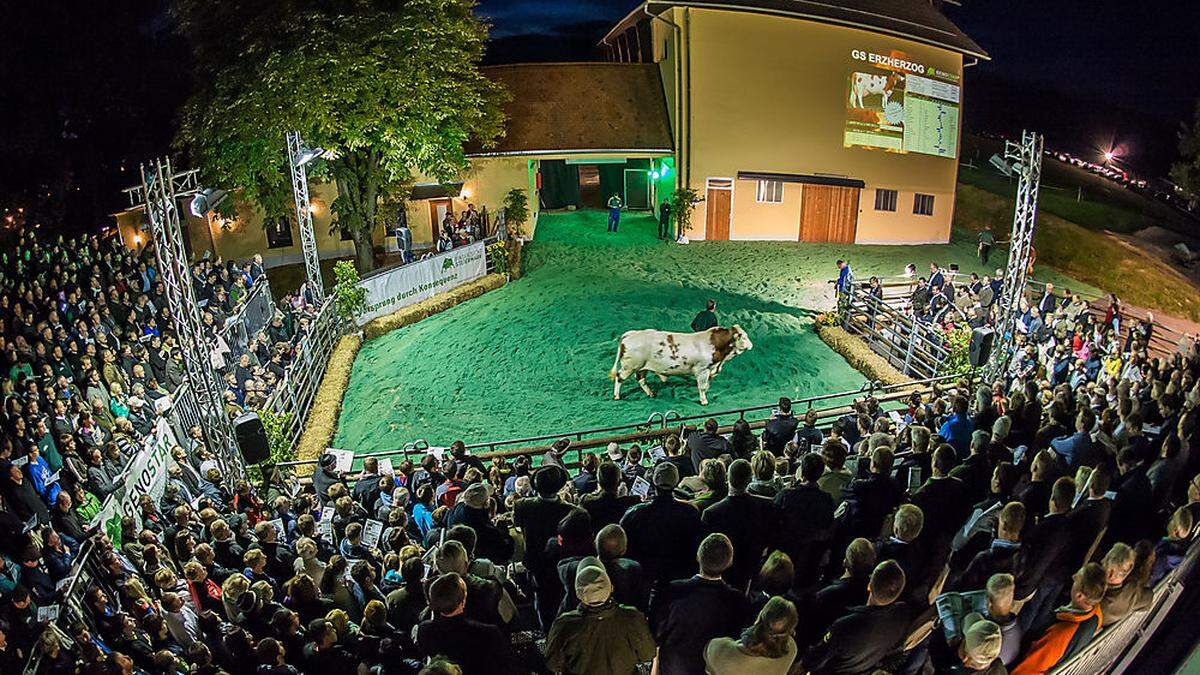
{"points": [[817, 121]]}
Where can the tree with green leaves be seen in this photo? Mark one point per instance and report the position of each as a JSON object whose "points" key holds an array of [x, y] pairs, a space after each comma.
{"points": [[1186, 172], [388, 87]]}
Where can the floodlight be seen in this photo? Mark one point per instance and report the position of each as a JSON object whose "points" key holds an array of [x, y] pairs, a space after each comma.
{"points": [[308, 154], [206, 200]]}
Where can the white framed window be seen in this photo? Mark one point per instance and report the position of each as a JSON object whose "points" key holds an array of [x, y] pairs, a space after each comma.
{"points": [[885, 199], [923, 204], [770, 191]]}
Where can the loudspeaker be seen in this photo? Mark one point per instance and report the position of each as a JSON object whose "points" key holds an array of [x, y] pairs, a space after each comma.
{"points": [[981, 346], [251, 438]]}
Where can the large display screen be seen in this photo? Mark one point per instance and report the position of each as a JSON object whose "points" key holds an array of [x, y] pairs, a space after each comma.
{"points": [[898, 104]]}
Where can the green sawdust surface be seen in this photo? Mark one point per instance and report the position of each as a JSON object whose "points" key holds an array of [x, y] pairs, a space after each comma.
{"points": [[533, 357]]}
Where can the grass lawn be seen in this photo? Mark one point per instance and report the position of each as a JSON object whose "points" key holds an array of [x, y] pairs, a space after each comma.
{"points": [[1097, 259]]}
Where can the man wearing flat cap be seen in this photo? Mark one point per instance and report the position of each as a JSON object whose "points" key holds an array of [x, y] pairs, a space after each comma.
{"points": [[600, 637]]}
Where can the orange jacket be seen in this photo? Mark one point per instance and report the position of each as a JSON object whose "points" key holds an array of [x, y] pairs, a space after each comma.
{"points": [[1071, 632]]}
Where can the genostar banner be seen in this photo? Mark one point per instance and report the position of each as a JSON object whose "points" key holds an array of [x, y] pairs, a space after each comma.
{"points": [[146, 475], [414, 282]]}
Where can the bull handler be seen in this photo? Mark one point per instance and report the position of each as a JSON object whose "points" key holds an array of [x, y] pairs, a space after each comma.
{"points": [[706, 318]]}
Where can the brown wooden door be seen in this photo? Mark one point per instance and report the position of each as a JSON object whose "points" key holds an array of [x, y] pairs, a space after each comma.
{"points": [[829, 213], [716, 216], [438, 208], [589, 187]]}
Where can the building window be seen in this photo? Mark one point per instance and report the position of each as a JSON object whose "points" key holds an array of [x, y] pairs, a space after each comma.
{"points": [[770, 191], [345, 234], [923, 204], [279, 234], [885, 200]]}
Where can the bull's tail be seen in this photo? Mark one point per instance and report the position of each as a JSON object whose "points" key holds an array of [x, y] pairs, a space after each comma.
{"points": [[612, 374]]}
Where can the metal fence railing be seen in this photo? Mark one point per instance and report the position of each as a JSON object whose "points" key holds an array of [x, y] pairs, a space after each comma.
{"points": [[658, 424], [293, 398], [915, 348]]}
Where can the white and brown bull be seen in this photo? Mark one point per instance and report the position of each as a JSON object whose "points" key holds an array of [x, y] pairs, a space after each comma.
{"points": [[700, 355]]}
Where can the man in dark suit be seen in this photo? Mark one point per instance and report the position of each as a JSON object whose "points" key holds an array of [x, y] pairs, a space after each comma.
{"points": [[936, 278], [1133, 507], [1004, 554], [943, 498], [869, 500], [1050, 556], [707, 444], [859, 641], [781, 428], [662, 531], [901, 546], [1076, 449], [805, 519], [690, 612], [1048, 303], [748, 520], [477, 648], [1089, 519], [833, 601]]}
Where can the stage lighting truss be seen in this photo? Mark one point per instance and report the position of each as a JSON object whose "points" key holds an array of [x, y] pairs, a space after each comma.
{"points": [[298, 157], [1026, 158], [159, 192]]}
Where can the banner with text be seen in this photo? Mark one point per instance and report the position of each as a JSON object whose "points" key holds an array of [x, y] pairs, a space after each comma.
{"points": [[414, 282], [146, 475]]}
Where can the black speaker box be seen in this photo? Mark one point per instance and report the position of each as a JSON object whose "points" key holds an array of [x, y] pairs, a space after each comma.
{"points": [[981, 345], [251, 438]]}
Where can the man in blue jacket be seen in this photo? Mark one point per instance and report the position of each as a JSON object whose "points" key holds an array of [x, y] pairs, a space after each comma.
{"points": [[957, 428]]}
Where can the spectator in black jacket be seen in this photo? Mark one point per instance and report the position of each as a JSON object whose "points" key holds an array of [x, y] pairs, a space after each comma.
{"points": [[690, 612], [781, 428], [860, 640], [834, 600], [869, 500], [1004, 555], [662, 530], [748, 520], [607, 505], [477, 648], [805, 513], [707, 444]]}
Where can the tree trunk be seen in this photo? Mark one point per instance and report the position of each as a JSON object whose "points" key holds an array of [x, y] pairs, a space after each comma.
{"points": [[364, 250]]}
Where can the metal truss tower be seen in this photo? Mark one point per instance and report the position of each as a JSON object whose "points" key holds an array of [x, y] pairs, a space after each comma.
{"points": [[1027, 159], [298, 156], [160, 190]]}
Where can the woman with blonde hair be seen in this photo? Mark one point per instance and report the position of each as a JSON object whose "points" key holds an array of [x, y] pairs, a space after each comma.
{"points": [[765, 648], [307, 561], [234, 587]]}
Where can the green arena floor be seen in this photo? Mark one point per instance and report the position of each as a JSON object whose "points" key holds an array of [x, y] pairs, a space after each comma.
{"points": [[533, 357]]}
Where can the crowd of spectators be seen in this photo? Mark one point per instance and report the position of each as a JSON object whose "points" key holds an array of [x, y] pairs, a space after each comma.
{"points": [[470, 227], [90, 361], [981, 528]]}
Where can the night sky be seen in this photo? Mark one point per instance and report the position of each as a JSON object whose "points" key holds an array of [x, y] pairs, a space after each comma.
{"points": [[92, 87]]}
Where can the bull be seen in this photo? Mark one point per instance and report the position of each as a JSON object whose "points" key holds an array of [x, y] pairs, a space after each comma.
{"points": [[701, 355]]}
